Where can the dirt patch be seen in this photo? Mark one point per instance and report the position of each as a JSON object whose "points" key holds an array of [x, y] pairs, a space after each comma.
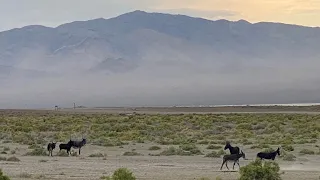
{"points": [[144, 167]]}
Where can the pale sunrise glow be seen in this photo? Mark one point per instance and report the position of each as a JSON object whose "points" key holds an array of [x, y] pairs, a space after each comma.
{"points": [[302, 12]]}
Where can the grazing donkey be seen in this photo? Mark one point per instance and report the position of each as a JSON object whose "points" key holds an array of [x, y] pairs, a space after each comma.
{"points": [[78, 144], [66, 147], [51, 146], [270, 155], [233, 150], [232, 157]]}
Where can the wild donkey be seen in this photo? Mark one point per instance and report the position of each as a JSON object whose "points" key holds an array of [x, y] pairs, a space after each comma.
{"points": [[51, 146], [66, 147], [78, 144], [271, 155], [232, 157], [233, 150]]}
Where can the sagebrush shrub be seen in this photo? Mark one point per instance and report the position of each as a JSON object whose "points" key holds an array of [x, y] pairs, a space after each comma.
{"points": [[2, 176], [121, 174], [307, 151], [258, 170]]}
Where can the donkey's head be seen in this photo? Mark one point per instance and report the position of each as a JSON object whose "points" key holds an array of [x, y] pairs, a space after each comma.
{"points": [[227, 145], [84, 141], [243, 155], [278, 151]]}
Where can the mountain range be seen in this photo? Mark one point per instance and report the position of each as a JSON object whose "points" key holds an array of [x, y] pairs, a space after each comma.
{"points": [[142, 58]]}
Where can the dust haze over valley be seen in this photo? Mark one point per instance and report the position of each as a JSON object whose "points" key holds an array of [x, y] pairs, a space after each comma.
{"points": [[153, 59]]}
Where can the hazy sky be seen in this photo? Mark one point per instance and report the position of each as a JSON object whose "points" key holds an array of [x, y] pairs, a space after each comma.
{"points": [[18, 13]]}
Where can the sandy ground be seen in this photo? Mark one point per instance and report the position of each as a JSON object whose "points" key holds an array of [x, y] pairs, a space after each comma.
{"points": [[144, 167]]}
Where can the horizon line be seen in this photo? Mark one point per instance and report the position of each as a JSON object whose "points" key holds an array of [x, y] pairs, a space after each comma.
{"points": [[163, 13]]}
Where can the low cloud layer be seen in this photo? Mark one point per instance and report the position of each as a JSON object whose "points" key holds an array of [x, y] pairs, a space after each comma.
{"points": [[163, 86]]}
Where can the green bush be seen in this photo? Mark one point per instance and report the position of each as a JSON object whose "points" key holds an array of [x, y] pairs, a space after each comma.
{"points": [[96, 155], [121, 174], [132, 153], [287, 147], [256, 170], [154, 148], [2, 176]]}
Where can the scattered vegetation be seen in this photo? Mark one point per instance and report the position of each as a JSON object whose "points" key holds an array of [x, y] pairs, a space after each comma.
{"points": [[183, 150], [132, 153], [97, 155], [13, 159], [191, 148], [307, 151], [121, 174], [211, 146], [258, 170], [116, 130], [260, 146], [215, 154], [287, 147], [39, 151], [154, 148], [268, 150], [289, 157]]}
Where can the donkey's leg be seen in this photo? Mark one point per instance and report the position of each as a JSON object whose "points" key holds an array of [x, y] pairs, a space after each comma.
{"points": [[227, 165], [233, 164], [222, 165]]}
